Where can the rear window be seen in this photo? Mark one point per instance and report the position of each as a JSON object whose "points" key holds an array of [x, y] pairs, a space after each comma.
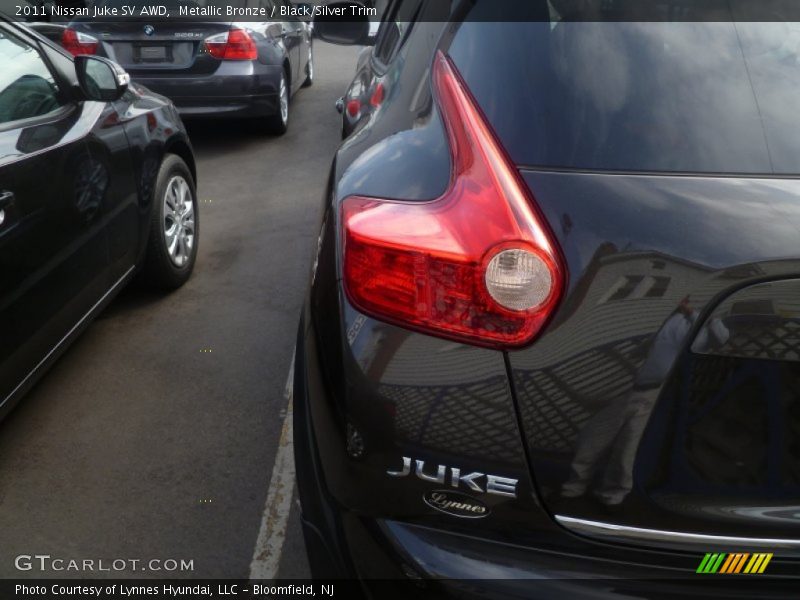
{"points": [[716, 97]]}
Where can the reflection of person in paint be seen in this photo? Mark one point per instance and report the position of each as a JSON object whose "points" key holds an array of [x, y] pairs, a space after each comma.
{"points": [[619, 426]]}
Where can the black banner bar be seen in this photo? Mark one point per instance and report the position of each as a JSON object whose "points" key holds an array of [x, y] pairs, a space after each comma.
{"points": [[705, 586], [189, 11]]}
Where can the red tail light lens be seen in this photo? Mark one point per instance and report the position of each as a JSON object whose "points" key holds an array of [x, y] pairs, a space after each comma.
{"points": [[354, 108], [477, 265], [77, 43], [378, 95], [235, 44]]}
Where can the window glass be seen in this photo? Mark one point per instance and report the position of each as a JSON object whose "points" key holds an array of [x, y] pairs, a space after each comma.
{"points": [[691, 96], [27, 88], [388, 40], [101, 77], [395, 28], [629, 284], [659, 287]]}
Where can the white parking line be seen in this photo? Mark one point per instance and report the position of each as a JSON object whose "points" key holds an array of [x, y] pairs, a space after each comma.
{"points": [[272, 533]]}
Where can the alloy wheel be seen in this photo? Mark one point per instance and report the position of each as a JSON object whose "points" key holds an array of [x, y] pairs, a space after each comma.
{"points": [[284, 99], [179, 227]]}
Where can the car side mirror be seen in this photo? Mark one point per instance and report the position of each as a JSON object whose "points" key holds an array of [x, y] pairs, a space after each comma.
{"points": [[101, 79], [344, 23]]}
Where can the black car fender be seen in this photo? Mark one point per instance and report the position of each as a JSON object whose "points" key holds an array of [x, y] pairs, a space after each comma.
{"points": [[153, 129]]}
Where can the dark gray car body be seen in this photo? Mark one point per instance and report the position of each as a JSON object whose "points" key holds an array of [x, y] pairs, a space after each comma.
{"points": [[672, 193]]}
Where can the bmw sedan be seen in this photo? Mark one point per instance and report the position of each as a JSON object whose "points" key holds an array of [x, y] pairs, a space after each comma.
{"points": [[97, 184], [553, 326], [208, 68]]}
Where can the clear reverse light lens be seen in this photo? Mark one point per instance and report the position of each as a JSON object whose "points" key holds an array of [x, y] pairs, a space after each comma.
{"points": [[518, 280]]}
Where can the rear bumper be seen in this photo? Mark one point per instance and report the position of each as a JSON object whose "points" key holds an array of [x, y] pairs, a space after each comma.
{"points": [[434, 562], [238, 107], [455, 566], [234, 90]]}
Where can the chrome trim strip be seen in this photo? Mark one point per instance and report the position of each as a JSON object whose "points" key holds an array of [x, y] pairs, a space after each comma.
{"points": [[77, 325], [611, 530]]}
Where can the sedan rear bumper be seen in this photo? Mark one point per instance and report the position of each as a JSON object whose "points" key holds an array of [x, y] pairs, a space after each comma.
{"points": [[236, 107], [234, 90]]}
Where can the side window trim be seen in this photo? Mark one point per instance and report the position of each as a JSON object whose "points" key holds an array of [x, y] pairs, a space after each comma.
{"points": [[390, 20], [390, 11]]}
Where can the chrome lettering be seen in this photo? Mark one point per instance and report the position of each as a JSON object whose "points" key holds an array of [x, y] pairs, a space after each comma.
{"points": [[502, 486], [441, 471], [457, 478], [406, 469]]}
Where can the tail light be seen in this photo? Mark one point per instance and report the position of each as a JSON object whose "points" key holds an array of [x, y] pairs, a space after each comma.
{"points": [[354, 108], [378, 95], [478, 264], [77, 43], [236, 44]]}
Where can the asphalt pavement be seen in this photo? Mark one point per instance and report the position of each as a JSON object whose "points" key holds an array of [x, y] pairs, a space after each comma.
{"points": [[155, 435]]}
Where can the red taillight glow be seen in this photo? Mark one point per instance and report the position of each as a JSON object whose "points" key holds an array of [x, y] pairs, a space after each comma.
{"points": [[354, 108], [378, 95], [77, 43], [235, 44], [476, 265]]}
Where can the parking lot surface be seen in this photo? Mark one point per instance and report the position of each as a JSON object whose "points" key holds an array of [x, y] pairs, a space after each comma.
{"points": [[155, 436]]}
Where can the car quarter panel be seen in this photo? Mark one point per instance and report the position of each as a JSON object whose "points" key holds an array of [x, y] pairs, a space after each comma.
{"points": [[384, 397], [646, 252], [664, 205]]}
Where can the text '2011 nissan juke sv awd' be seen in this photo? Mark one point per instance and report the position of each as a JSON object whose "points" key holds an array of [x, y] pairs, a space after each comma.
{"points": [[553, 327]]}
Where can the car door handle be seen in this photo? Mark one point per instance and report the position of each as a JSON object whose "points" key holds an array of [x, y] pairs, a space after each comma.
{"points": [[6, 198]]}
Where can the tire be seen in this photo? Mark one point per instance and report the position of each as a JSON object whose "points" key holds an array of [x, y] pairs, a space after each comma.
{"points": [[309, 68], [170, 259], [278, 124]]}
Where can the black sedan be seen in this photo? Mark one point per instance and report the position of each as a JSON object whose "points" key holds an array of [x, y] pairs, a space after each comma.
{"points": [[552, 327], [213, 68], [97, 183]]}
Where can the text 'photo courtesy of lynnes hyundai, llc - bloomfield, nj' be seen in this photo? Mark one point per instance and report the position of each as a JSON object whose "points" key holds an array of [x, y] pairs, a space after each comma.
{"points": [[400, 299]]}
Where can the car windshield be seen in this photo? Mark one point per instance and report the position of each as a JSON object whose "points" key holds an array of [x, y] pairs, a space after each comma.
{"points": [[689, 96]]}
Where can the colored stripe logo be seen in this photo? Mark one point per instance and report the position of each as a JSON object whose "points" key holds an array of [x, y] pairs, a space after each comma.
{"points": [[734, 564]]}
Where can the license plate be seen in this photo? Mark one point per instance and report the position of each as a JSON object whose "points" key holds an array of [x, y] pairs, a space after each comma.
{"points": [[152, 53]]}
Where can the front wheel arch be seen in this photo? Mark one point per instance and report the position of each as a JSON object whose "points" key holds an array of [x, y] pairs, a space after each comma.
{"points": [[287, 70], [182, 149]]}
